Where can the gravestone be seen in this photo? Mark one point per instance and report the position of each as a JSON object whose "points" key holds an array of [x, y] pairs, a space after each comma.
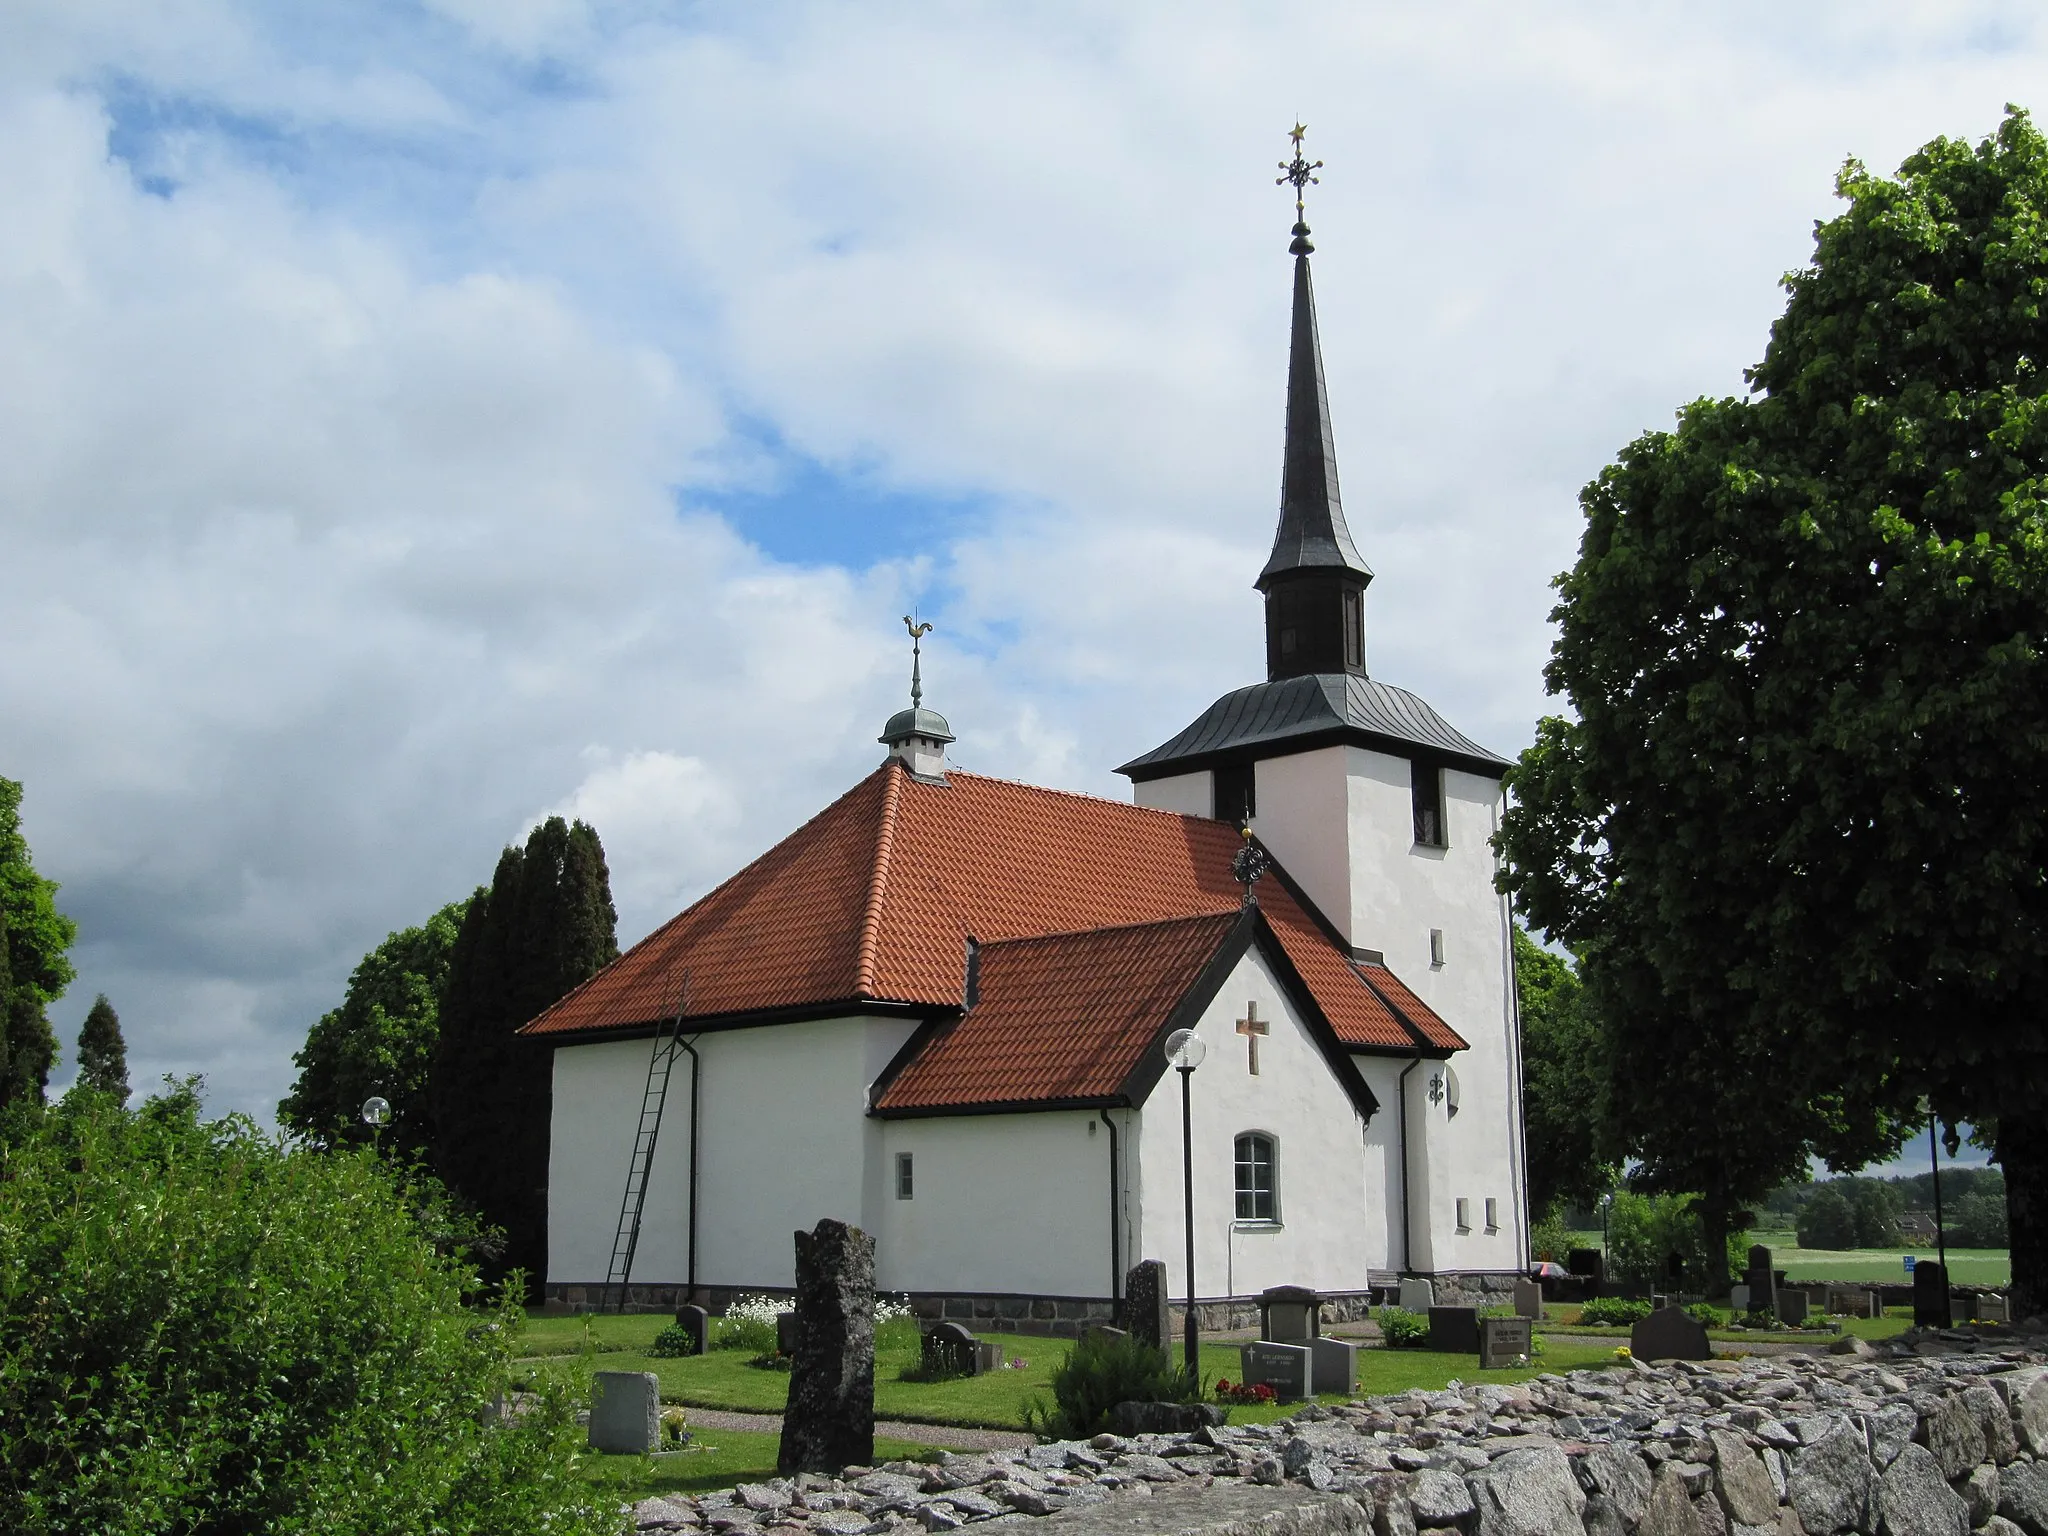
{"points": [[1873, 1303], [1504, 1342], [1289, 1369], [1333, 1365], [1528, 1299], [1962, 1307], [1454, 1330], [625, 1412], [1668, 1334], [1417, 1295], [1792, 1307], [1145, 1311], [1761, 1281], [829, 1422], [1289, 1314], [1589, 1262], [1993, 1308], [1930, 1295], [1738, 1299], [1106, 1333], [695, 1322], [785, 1333], [951, 1349]]}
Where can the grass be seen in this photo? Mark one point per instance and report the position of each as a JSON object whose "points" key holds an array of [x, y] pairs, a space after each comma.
{"points": [[1563, 1318], [724, 1379], [728, 1457], [1966, 1266]]}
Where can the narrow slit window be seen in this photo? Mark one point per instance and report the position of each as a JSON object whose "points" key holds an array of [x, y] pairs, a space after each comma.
{"points": [[1436, 948], [1464, 1214], [1492, 1214], [1258, 1196], [1354, 631], [904, 1185], [1426, 783]]}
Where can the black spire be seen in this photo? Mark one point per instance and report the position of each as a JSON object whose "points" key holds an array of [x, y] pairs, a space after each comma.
{"points": [[1315, 580]]}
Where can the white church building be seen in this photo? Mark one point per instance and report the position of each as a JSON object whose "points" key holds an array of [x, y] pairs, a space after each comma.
{"points": [[939, 1009]]}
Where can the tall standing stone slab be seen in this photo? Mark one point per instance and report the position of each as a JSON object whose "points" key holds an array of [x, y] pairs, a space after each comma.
{"points": [[1289, 1369], [1529, 1300], [1454, 1330], [1930, 1295], [1334, 1365], [1417, 1295], [625, 1412], [1146, 1315], [830, 1420]]}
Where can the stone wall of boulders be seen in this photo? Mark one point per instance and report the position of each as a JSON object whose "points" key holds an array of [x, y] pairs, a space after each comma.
{"points": [[1933, 1436]]}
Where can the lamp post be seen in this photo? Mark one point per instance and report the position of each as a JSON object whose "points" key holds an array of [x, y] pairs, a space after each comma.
{"points": [[1185, 1050], [376, 1115], [1606, 1205]]}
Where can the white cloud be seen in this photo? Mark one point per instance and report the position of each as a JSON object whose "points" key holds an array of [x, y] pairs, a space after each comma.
{"points": [[354, 366]]}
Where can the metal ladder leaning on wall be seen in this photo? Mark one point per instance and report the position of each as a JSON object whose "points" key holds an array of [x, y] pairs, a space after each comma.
{"points": [[653, 1099]]}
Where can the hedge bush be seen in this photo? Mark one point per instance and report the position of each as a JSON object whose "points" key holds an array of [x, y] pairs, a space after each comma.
{"points": [[204, 1331], [1101, 1371], [1613, 1312], [1403, 1330]]}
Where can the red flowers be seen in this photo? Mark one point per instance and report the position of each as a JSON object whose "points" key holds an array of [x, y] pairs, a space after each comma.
{"points": [[1243, 1392]]}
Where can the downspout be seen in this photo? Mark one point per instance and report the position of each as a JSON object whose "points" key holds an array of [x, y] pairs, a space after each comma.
{"points": [[696, 1072], [1407, 1233], [1116, 1252], [1518, 1146]]}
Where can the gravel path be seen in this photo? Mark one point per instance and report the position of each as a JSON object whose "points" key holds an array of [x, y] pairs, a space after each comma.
{"points": [[951, 1437]]}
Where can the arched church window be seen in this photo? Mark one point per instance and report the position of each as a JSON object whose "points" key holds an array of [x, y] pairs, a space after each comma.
{"points": [[1258, 1191]]}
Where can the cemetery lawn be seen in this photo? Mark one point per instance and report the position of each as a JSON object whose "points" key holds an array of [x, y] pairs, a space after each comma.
{"points": [[1563, 1318], [1967, 1266], [724, 1379], [729, 1456]]}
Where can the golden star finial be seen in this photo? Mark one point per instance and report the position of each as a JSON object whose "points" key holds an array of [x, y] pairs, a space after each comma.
{"points": [[1298, 172], [1297, 133]]}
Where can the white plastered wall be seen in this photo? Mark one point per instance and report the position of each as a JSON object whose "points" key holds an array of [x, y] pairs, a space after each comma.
{"points": [[1332, 1227], [1185, 794], [1009, 1204], [786, 1140]]}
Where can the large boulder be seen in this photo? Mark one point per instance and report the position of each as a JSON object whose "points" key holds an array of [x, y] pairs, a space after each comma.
{"points": [[1741, 1480], [1954, 1438], [1670, 1511], [829, 1422], [1829, 1485], [2026, 1399], [1914, 1499], [1622, 1479], [1529, 1493], [2023, 1495]]}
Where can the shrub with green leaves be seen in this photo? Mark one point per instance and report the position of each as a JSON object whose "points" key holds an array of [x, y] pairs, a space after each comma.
{"points": [[1613, 1312], [1401, 1329], [1100, 1371], [202, 1330], [673, 1341]]}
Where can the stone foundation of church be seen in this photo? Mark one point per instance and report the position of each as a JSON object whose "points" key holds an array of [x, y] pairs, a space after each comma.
{"points": [[1051, 1316]]}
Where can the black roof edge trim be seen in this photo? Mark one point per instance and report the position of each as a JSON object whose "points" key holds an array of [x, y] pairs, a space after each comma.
{"points": [[1404, 1052], [1002, 1107], [1311, 741], [711, 1023]]}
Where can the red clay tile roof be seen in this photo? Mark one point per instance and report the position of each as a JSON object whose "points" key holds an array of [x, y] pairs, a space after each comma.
{"points": [[874, 898], [1062, 1017]]}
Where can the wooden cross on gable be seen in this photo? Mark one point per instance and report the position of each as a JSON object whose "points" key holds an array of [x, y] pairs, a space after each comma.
{"points": [[1251, 1026]]}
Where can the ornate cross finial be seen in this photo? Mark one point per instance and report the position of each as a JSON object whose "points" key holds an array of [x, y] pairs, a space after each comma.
{"points": [[1249, 864], [1300, 173], [917, 633]]}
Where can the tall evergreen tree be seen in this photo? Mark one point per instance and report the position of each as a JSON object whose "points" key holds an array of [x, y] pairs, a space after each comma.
{"points": [[37, 968], [545, 925], [102, 1053], [380, 1041]]}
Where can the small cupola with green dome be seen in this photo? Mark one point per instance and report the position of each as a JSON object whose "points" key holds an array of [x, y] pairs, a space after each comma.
{"points": [[918, 735]]}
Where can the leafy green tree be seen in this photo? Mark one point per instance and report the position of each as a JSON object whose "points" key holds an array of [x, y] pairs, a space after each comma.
{"points": [[38, 969], [1978, 1221], [1563, 1071], [544, 926], [379, 1042], [1804, 642], [1827, 1220], [204, 1330], [102, 1053], [1644, 1233]]}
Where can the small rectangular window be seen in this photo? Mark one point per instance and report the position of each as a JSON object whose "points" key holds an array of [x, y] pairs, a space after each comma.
{"points": [[1354, 631], [1237, 799], [1436, 948], [1492, 1214], [903, 1184], [1464, 1214], [1426, 787]]}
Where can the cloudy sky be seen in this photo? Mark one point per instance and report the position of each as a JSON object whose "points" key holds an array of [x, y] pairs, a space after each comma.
{"points": [[419, 417]]}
